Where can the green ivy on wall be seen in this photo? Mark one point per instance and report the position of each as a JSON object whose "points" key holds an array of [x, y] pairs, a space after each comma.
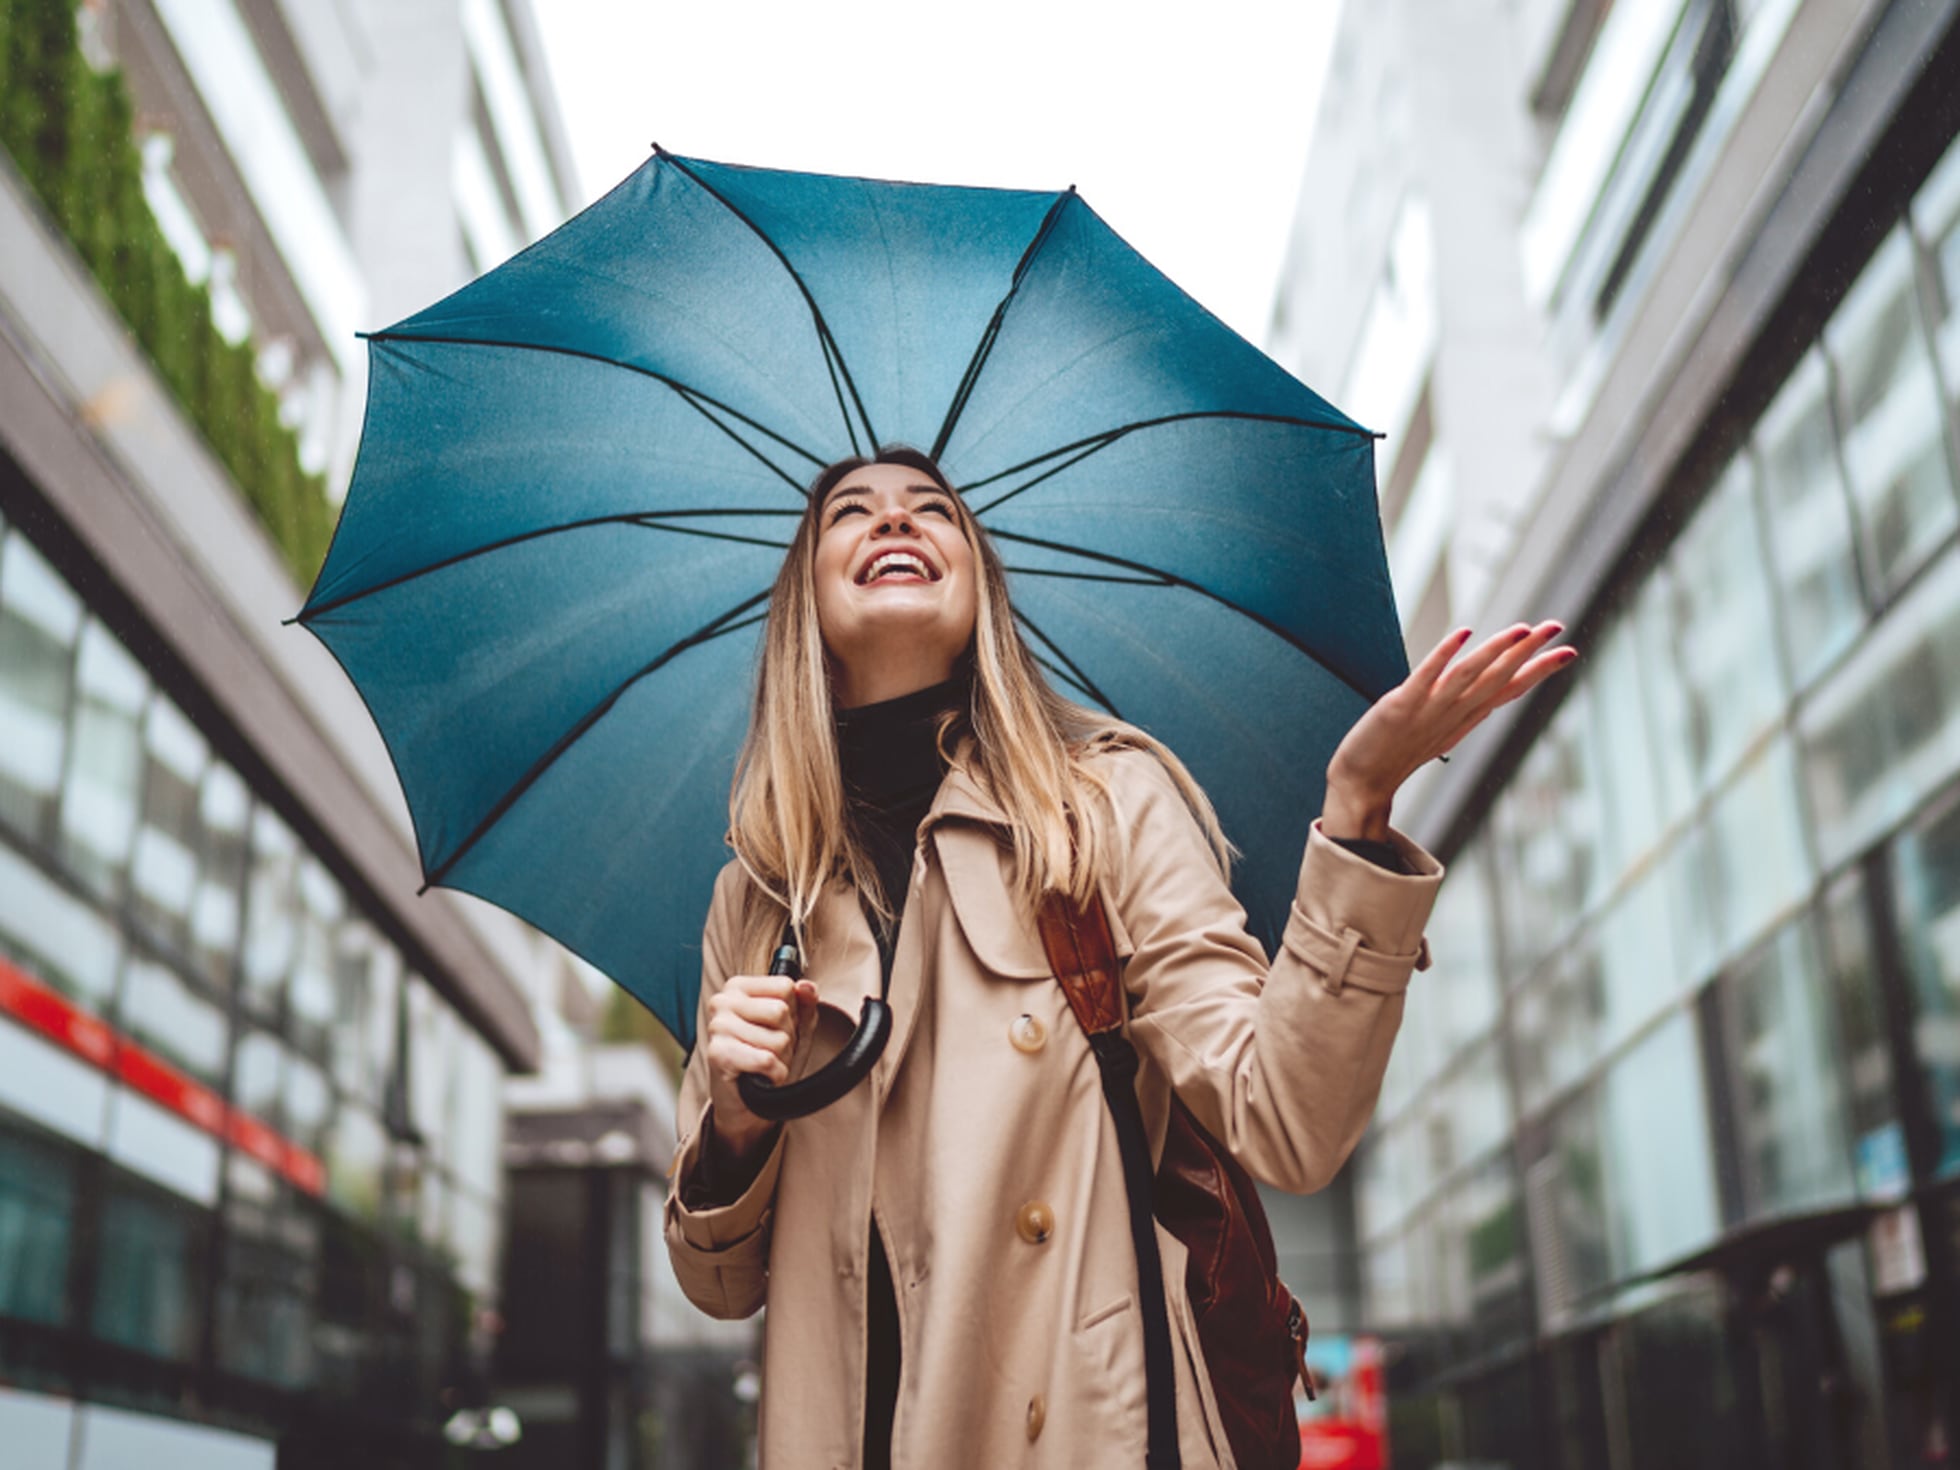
{"points": [[69, 129]]}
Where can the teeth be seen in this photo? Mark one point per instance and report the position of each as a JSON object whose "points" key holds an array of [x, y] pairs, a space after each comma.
{"points": [[896, 561]]}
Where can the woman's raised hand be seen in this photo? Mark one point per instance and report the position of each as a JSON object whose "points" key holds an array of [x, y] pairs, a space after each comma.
{"points": [[755, 1023], [1426, 715]]}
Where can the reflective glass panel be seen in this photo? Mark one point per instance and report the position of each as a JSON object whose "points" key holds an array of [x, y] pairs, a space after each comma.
{"points": [[1558, 1020], [431, 1068], [258, 1077], [1676, 722], [1722, 630], [1883, 731], [1473, 1112], [309, 1105], [1464, 994], [1926, 880], [40, 620], [1656, 1149], [37, 1222], [1490, 1231], [272, 919], [1789, 1098], [147, 1287], [1849, 955], [480, 1119], [1547, 836], [311, 1000], [1761, 857], [356, 1153], [1639, 972], [354, 955], [1566, 1187], [166, 1014], [1936, 219], [62, 939], [170, 838], [102, 792], [1809, 518], [1889, 417], [1635, 809], [224, 807]]}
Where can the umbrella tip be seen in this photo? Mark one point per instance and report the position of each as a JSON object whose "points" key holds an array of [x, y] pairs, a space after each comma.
{"points": [[659, 152]]}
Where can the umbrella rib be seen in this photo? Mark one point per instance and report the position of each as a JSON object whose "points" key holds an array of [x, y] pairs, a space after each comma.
{"points": [[635, 517], [687, 394], [711, 535], [1076, 672], [828, 340], [1089, 577], [1172, 579], [983, 349], [1106, 437], [725, 622]]}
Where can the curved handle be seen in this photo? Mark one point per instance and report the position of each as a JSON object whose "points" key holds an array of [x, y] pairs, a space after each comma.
{"points": [[831, 1081]]}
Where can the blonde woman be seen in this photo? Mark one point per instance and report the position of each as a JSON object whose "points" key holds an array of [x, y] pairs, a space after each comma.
{"points": [[945, 1252]]}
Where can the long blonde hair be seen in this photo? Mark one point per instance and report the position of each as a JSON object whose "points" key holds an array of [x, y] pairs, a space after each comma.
{"points": [[1029, 749]]}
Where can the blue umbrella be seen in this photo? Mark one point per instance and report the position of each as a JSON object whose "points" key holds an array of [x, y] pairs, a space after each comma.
{"points": [[579, 473]]}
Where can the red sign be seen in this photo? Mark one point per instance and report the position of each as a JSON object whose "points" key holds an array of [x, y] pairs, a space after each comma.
{"points": [[1346, 1427], [43, 1009]]}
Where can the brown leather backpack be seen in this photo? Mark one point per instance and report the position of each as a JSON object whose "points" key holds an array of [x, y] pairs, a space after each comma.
{"points": [[1251, 1329]]}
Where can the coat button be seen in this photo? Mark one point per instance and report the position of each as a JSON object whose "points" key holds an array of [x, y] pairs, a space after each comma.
{"points": [[1035, 1221], [1037, 1416], [1027, 1033]]}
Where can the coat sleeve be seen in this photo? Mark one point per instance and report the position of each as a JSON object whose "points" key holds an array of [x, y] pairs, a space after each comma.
{"points": [[1281, 1062], [720, 1252]]}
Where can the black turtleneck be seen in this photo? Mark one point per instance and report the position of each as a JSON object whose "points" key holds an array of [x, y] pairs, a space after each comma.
{"points": [[892, 769]]}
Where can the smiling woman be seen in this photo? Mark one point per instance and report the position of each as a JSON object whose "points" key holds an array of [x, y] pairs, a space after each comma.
{"points": [[907, 761]]}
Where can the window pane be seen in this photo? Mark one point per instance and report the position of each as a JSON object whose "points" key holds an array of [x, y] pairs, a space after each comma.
{"points": [[1721, 631], [1889, 413], [1789, 1099], [480, 1120], [258, 1077], [224, 808], [1926, 867], [1548, 836], [431, 1069], [310, 998], [1809, 522], [147, 1292], [40, 620], [99, 801], [37, 1221], [1473, 1112], [1635, 808], [1884, 731], [1566, 1187], [163, 872], [1491, 1235], [308, 1105], [1655, 1144], [1559, 1020], [356, 1153], [164, 1013], [271, 912], [1465, 994], [1760, 855], [1876, 1132], [1936, 218], [58, 936], [1639, 971]]}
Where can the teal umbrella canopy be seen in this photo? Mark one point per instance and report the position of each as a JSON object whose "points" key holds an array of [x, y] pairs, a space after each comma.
{"points": [[578, 476]]}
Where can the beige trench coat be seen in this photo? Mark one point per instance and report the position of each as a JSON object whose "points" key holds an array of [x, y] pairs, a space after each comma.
{"points": [[1017, 1350]]}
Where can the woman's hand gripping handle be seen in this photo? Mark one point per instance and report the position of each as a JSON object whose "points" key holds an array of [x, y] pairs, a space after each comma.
{"points": [[755, 1023]]}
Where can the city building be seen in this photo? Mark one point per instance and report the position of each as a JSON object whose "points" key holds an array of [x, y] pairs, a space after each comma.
{"points": [[252, 1186], [1658, 303]]}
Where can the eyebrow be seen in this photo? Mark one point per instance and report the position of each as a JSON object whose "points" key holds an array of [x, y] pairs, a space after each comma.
{"points": [[847, 488]]}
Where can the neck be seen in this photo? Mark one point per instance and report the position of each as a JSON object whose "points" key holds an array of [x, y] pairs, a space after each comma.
{"points": [[874, 681]]}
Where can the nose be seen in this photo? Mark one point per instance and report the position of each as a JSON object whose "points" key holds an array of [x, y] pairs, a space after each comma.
{"points": [[895, 520]]}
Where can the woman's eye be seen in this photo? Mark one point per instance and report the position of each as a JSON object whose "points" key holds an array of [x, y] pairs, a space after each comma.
{"points": [[938, 507], [846, 507]]}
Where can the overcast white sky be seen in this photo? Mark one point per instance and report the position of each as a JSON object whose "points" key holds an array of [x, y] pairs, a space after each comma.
{"points": [[1186, 127]]}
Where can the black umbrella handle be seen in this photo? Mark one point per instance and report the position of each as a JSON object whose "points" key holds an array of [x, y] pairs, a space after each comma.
{"points": [[836, 1077]]}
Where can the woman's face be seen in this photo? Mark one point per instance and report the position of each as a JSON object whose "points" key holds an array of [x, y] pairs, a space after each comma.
{"points": [[896, 582]]}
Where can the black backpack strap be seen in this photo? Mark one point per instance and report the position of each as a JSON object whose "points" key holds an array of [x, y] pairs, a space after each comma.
{"points": [[1082, 953]]}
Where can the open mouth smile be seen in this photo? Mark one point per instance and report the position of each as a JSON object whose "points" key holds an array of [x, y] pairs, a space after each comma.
{"points": [[896, 566]]}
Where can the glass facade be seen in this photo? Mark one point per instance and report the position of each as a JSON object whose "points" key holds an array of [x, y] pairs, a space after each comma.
{"points": [[250, 1161], [1691, 1054]]}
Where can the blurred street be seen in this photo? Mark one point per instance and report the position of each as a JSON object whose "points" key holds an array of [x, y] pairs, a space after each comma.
{"points": [[1655, 305]]}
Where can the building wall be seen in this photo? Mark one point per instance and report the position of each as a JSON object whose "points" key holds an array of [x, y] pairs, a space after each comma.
{"points": [[1664, 1169], [251, 1181]]}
